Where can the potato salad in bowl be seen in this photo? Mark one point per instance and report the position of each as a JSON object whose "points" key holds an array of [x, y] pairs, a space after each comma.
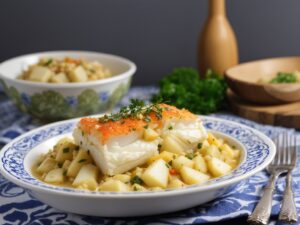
{"points": [[52, 70], [143, 160], [141, 148], [59, 85]]}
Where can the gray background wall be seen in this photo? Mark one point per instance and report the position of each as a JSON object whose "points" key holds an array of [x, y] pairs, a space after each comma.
{"points": [[156, 34]]}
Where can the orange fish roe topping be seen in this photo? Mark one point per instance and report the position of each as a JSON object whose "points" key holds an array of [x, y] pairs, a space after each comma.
{"points": [[136, 122], [170, 112], [111, 128]]}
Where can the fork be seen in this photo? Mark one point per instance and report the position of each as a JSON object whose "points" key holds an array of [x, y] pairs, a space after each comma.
{"points": [[288, 212], [279, 165]]}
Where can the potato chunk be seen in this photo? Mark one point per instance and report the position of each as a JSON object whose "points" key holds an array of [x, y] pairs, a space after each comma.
{"points": [[78, 75], [81, 159], [212, 151], [55, 176], [46, 165], [156, 189], [150, 134], [232, 162], [59, 78], [227, 152], [125, 178], [156, 175], [87, 176], [217, 167], [114, 185], [191, 176], [137, 187], [182, 161], [170, 144], [66, 164], [213, 141], [176, 183], [200, 164], [64, 149], [166, 156], [236, 153], [138, 171], [40, 74], [204, 145]]}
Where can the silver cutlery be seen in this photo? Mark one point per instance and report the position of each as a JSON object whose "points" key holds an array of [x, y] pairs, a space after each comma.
{"points": [[280, 164], [288, 212]]}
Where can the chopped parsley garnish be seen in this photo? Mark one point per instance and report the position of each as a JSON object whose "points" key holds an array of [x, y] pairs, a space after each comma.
{"points": [[170, 163], [82, 160], [167, 165], [146, 127], [199, 146], [66, 150], [136, 180], [137, 109], [190, 155], [284, 78], [48, 62], [135, 188], [170, 127]]}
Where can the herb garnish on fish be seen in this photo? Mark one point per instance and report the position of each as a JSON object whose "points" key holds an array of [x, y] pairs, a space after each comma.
{"points": [[137, 109]]}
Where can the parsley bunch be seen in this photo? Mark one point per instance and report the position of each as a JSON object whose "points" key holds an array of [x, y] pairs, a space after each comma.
{"points": [[183, 88]]}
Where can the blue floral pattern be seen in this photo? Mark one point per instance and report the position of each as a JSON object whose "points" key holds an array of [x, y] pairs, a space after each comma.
{"points": [[51, 105], [18, 207]]}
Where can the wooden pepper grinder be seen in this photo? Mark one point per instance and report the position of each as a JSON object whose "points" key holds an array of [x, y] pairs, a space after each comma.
{"points": [[217, 44]]}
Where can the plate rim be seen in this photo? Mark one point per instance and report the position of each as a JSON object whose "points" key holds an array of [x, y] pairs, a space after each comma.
{"points": [[150, 194]]}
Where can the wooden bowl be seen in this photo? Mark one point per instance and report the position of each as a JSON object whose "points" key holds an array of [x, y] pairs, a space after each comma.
{"points": [[243, 80]]}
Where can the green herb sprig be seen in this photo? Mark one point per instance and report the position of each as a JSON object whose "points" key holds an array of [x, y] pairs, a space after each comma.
{"points": [[137, 109]]}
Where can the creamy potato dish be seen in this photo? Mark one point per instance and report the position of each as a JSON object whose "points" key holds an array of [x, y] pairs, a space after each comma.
{"points": [[141, 148], [51, 70]]}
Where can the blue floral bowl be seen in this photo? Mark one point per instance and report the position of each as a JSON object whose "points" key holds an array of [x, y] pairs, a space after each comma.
{"points": [[61, 101], [18, 157]]}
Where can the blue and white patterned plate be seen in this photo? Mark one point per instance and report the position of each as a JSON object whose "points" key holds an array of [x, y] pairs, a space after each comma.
{"points": [[17, 157]]}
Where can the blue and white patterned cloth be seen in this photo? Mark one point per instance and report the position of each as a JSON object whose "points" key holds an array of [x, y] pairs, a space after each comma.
{"points": [[17, 207]]}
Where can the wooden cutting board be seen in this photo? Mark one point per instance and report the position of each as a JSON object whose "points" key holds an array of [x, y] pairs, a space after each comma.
{"points": [[286, 115]]}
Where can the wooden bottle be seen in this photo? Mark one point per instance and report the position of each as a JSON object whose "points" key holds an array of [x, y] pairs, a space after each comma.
{"points": [[217, 48]]}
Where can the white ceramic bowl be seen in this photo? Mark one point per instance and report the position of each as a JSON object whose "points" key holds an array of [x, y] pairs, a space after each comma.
{"points": [[17, 158], [60, 101]]}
